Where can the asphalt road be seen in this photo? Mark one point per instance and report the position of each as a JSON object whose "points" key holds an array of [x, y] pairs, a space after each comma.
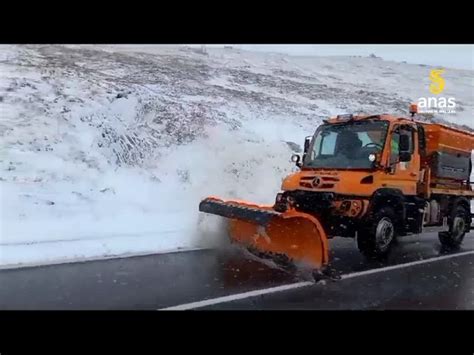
{"points": [[230, 279]]}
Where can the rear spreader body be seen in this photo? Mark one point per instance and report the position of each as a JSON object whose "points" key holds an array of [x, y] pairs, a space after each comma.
{"points": [[372, 178]]}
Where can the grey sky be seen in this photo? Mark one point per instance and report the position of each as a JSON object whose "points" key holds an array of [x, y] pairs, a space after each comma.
{"points": [[451, 56]]}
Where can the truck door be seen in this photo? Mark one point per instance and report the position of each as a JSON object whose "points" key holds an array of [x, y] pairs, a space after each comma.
{"points": [[403, 175]]}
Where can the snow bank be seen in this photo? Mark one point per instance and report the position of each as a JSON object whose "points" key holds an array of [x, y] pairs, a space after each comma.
{"points": [[108, 152], [129, 211]]}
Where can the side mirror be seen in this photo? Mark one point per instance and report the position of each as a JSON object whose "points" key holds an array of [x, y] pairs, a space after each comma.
{"points": [[307, 141], [404, 148], [295, 158], [404, 143], [404, 156]]}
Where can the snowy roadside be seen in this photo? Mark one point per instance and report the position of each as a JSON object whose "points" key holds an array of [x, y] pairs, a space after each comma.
{"points": [[109, 152]]}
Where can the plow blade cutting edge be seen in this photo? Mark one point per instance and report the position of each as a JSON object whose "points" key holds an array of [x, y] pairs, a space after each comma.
{"points": [[295, 235]]}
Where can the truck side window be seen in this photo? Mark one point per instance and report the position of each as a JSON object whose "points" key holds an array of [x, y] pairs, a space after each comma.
{"points": [[394, 151], [421, 140]]}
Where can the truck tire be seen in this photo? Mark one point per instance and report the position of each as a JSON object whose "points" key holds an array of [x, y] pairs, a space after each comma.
{"points": [[375, 240], [457, 228]]}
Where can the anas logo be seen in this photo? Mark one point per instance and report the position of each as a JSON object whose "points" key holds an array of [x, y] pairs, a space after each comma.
{"points": [[439, 104], [437, 82]]}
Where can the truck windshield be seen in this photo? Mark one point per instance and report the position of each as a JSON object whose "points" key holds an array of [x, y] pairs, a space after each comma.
{"points": [[346, 145]]}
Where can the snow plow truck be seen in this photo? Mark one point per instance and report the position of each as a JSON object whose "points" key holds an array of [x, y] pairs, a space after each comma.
{"points": [[373, 178]]}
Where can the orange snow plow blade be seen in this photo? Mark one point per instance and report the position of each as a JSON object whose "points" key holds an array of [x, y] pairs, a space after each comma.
{"points": [[295, 235]]}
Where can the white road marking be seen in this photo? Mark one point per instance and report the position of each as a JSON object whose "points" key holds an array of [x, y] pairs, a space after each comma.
{"points": [[238, 296], [244, 295], [405, 265]]}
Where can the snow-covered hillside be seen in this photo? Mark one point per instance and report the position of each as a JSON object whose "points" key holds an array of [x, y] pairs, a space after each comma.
{"points": [[107, 150]]}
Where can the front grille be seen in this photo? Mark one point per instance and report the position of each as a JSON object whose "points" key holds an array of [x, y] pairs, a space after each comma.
{"points": [[310, 201], [326, 182]]}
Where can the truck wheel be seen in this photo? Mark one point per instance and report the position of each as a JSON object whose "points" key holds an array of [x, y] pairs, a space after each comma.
{"points": [[457, 229], [375, 240]]}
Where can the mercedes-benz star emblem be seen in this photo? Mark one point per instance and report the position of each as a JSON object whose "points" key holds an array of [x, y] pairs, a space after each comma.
{"points": [[316, 181]]}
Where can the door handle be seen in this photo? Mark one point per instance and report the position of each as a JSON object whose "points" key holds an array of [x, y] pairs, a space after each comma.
{"points": [[413, 174]]}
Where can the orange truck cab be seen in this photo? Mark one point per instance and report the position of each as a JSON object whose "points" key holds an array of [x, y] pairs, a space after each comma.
{"points": [[381, 176]]}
